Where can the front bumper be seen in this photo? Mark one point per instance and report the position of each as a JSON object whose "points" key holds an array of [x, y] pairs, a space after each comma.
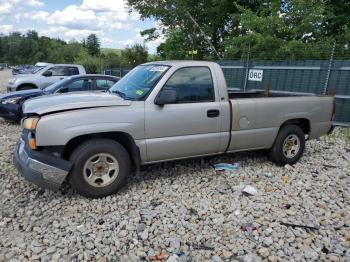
{"points": [[11, 111], [44, 170], [11, 88]]}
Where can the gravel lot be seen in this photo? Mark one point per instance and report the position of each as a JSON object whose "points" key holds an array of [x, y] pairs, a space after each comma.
{"points": [[187, 209]]}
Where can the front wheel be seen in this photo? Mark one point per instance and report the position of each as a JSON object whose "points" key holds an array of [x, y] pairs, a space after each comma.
{"points": [[100, 168], [289, 145]]}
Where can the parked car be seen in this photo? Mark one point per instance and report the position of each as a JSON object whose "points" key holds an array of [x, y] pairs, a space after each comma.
{"points": [[44, 77], [28, 69], [21, 69], [11, 103], [158, 112]]}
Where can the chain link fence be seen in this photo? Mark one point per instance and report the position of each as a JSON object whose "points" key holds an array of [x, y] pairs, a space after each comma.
{"points": [[120, 71], [324, 76], [327, 71]]}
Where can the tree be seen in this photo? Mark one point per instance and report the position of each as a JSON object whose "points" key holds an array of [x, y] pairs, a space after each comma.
{"points": [[135, 55], [93, 45], [91, 63], [176, 46], [203, 21], [281, 30]]}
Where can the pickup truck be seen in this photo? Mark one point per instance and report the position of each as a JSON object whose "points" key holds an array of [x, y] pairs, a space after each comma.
{"points": [[159, 111], [42, 77]]}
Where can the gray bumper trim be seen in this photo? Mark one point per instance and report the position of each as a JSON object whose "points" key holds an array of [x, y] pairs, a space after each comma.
{"points": [[37, 172]]}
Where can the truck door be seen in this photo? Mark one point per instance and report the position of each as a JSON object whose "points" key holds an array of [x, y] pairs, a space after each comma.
{"points": [[190, 126], [53, 75]]}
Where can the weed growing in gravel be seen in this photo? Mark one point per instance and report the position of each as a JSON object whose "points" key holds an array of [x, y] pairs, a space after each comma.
{"points": [[346, 133], [331, 137]]}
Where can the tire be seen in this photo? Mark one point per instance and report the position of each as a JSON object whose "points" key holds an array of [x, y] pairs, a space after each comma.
{"points": [[89, 176], [26, 87], [285, 149]]}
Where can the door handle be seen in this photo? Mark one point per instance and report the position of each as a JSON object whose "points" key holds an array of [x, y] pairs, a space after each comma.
{"points": [[213, 113]]}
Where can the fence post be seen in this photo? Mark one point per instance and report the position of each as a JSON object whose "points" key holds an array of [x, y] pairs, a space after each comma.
{"points": [[246, 70], [325, 89]]}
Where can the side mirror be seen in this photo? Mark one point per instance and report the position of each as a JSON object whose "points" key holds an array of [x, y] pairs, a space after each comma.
{"points": [[47, 73], [166, 97]]}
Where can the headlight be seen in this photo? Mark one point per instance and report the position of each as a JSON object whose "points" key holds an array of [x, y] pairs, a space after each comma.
{"points": [[30, 123], [13, 100], [13, 80]]}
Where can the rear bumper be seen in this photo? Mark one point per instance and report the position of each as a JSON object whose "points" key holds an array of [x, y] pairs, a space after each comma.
{"points": [[41, 169], [11, 111]]}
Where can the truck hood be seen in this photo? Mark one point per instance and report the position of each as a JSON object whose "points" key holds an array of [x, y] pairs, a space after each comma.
{"points": [[72, 101]]}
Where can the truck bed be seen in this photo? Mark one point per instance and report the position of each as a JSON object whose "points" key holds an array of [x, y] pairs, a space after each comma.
{"points": [[257, 116]]}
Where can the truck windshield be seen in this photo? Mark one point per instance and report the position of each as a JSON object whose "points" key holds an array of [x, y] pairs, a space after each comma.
{"points": [[139, 82], [36, 69]]}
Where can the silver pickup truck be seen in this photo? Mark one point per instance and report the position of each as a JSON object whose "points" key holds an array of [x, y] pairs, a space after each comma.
{"points": [[159, 111], [43, 75]]}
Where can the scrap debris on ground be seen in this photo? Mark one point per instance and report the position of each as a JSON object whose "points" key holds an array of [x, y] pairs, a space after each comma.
{"points": [[183, 211]]}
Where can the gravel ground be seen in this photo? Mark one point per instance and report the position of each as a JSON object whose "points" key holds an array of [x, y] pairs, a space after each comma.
{"points": [[186, 210]]}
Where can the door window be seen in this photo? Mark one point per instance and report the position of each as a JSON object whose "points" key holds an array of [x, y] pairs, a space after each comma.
{"points": [[104, 84], [77, 86], [57, 71], [64, 70], [193, 85]]}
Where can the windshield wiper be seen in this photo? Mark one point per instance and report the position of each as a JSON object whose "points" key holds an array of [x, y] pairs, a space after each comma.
{"points": [[121, 94]]}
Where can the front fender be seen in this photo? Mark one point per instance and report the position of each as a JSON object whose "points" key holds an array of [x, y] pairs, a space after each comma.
{"points": [[57, 129]]}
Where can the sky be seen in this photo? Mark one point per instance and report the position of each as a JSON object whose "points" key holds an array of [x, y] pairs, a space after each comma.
{"points": [[74, 20]]}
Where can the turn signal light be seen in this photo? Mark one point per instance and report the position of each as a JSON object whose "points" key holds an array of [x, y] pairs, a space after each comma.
{"points": [[32, 143]]}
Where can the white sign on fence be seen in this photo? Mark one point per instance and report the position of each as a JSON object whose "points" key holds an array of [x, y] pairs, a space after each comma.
{"points": [[255, 75]]}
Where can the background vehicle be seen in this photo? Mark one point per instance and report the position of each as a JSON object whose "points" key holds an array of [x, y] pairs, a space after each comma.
{"points": [[44, 77], [29, 69], [11, 103], [21, 69], [160, 111]]}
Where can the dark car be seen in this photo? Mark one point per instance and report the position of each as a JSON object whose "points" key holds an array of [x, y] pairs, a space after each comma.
{"points": [[11, 103], [22, 69]]}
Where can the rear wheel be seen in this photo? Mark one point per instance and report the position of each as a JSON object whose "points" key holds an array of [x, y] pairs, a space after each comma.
{"points": [[100, 168], [289, 145]]}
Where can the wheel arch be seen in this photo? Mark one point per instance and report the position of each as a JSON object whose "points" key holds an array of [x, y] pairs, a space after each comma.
{"points": [[26, 84], [125, 139], [303, 123]]}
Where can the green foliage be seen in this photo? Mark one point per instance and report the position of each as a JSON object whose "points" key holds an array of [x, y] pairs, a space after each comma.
{"points": [[346, 133], [16, 48], [175, 47], [30, 49], [93, 45], [135, 55], [274, 29], [91, 63]]}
